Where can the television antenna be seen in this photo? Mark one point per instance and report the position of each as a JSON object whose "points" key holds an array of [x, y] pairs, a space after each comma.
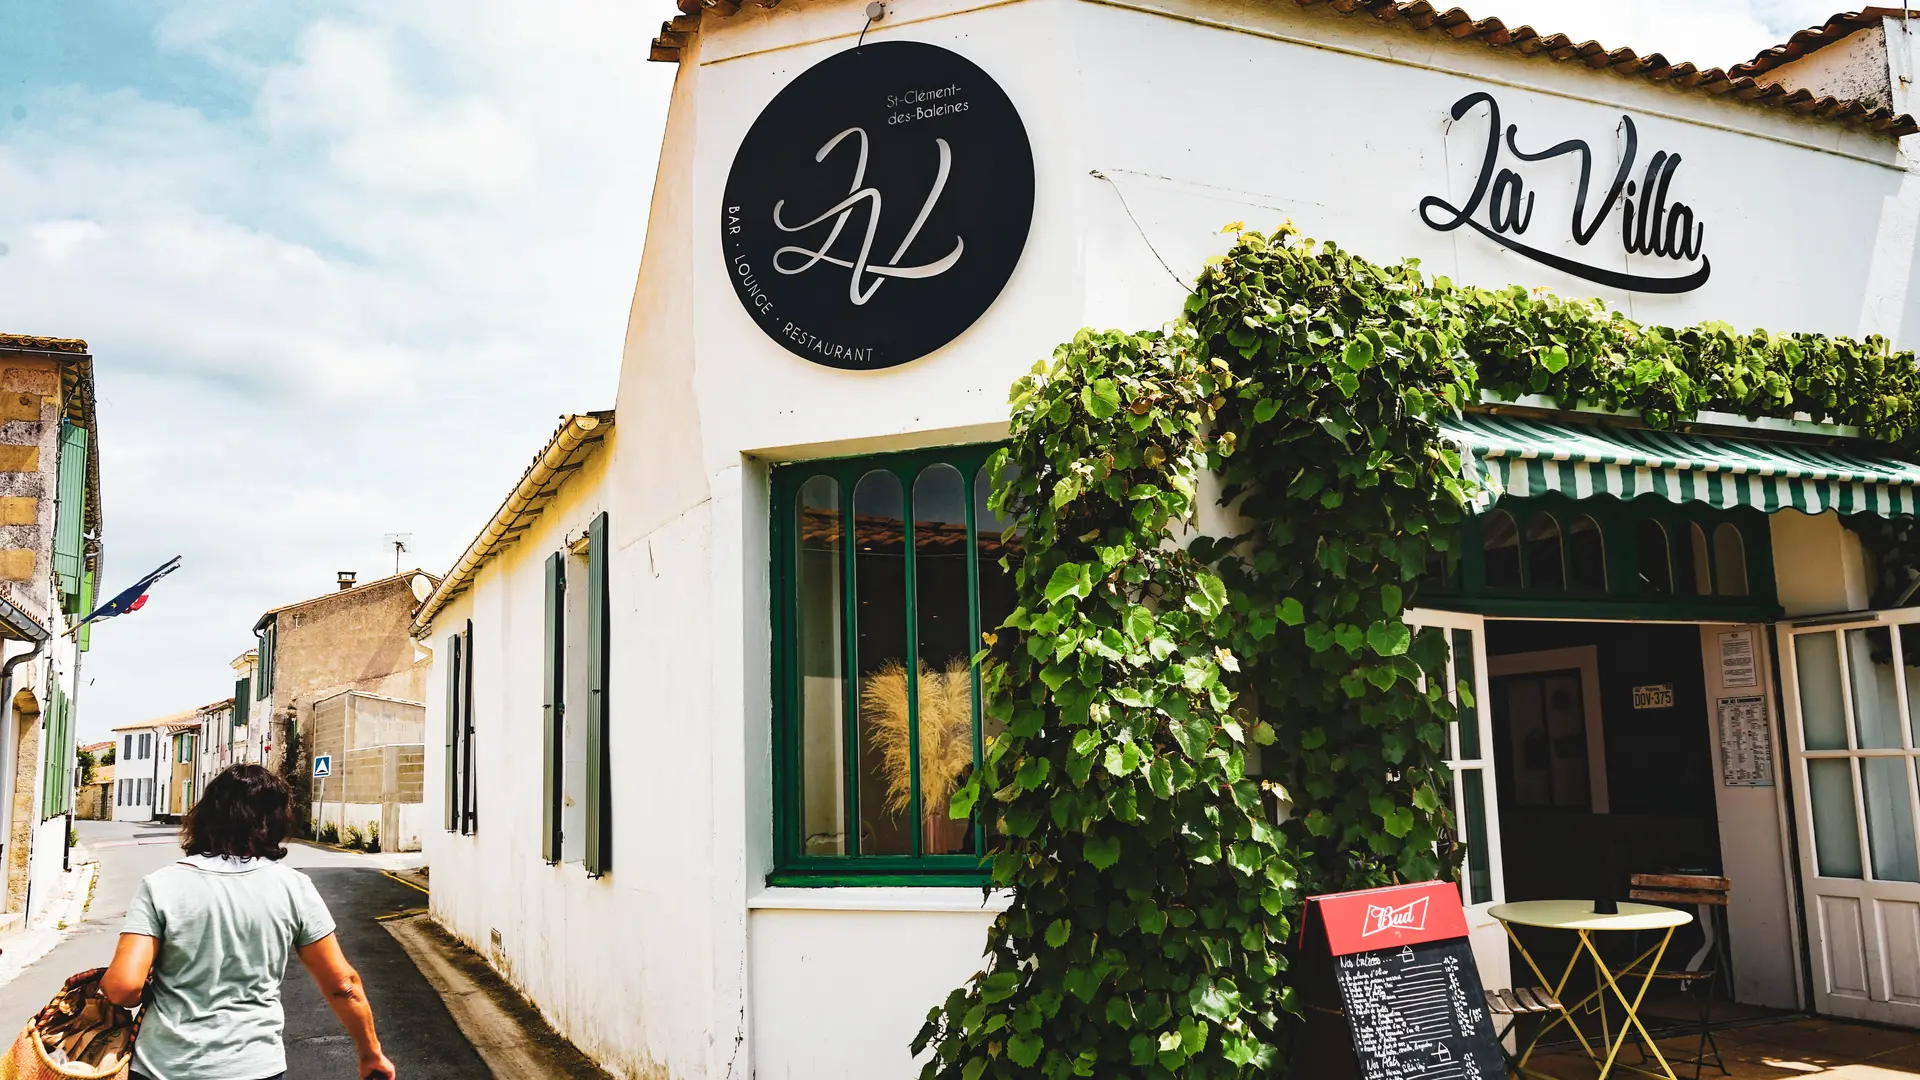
{"points": [[402, 543]]}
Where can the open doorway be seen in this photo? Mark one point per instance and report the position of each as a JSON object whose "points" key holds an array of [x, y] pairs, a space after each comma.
{"points": [[1603, 755]]}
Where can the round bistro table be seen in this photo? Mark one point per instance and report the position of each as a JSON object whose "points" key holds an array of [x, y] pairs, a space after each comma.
{"points": [[1579, 917]]}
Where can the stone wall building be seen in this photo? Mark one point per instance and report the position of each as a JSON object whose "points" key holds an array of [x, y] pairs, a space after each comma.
{"points": [[378, 757], [50, 548], [355, 638]]}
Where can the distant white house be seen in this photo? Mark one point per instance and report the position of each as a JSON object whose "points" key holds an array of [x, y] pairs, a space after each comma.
{"points": [[141, 766]]}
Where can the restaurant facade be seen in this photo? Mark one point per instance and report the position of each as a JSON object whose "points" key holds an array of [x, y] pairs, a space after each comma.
{"points": [[693, 805]]}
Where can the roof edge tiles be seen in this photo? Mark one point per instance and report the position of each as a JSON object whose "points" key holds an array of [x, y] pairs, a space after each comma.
{"points": [[577, 437], [1738, 82]]}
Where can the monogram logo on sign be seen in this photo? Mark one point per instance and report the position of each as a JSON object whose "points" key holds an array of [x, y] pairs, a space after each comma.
{"points": [[861, 197], [1382, 918], [878, 205]]}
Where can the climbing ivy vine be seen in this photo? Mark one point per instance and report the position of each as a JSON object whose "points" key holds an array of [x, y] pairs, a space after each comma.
{"points": [[1157, 874]]}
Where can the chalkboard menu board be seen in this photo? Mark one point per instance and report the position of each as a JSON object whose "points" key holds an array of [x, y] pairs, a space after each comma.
{"points": [[1406, 981]]}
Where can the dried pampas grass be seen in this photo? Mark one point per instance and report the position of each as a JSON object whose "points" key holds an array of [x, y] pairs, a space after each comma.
{"points": [[946, 732]]}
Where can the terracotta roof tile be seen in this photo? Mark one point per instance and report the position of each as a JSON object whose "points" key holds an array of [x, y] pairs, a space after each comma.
{"points": [[1422, 16]]}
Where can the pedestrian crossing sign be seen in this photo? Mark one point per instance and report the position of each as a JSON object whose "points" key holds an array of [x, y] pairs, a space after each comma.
{"points": [[322, 766]]}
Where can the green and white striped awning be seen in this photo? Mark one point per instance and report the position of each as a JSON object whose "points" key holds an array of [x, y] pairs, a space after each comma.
{"points": [[1511, 456]]}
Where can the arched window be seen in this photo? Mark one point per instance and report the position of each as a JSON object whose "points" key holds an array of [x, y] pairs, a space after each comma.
{"points": [[1586, 555], [1691, 566], [1652, 563], [1546, 556], [1500, 543], [1730, 559]]}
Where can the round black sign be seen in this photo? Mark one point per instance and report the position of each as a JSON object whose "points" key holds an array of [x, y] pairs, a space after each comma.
{"points": [[878, 205]]}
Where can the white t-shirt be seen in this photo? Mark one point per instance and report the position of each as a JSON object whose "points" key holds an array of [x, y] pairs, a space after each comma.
{"points": [[226, 928]]}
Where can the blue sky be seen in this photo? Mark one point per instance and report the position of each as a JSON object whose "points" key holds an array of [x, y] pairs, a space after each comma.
{"points": [[342, 265]]}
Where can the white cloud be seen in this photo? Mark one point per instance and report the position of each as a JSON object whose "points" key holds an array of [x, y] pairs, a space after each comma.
{"points": [[348, 306]]}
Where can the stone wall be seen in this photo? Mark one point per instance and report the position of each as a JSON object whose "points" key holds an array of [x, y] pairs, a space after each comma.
{"points": [[26, 788]]}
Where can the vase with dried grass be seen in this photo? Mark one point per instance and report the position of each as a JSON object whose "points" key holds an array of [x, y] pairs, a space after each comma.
{"points": [[946, 743]]}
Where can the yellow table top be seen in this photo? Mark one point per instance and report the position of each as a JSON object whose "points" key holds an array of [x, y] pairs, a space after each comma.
{"points": [[1578, 915]]}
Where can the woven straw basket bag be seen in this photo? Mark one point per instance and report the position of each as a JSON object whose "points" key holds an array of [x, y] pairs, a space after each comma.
{"points": [[80, 1035]]}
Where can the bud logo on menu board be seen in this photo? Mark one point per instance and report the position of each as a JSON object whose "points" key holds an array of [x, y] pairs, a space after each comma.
{"points": [[878, 205], [1382, 918]]}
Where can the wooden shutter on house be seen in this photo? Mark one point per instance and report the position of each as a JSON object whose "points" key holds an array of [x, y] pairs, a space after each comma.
{"points": [[70, 515], [242, 701], [454, 719], [599, 857], [553, 711], [470, 790]]}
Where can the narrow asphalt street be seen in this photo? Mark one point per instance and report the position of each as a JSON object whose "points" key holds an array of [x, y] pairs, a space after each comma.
{"points": [[417, 1031]]}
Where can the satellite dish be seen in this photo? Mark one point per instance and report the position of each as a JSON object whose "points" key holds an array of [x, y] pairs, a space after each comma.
{"points": [[422, 587]]}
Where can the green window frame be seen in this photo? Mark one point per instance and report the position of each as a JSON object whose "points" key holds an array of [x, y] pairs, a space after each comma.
{"points": [[1623, 591], [844, 641]]}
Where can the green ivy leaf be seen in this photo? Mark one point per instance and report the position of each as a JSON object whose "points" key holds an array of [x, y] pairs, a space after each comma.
{"points": [[1101, 851], [1389, 638], [1101, 399], [1024, 1049], [1058, 933], [1069, 579], [1358, 354], [1291, 612]]}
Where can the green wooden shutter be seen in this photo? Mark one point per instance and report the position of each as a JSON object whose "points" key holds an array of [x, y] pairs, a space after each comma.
{"points": [[242, 702], [553, 712], [84, 637], [599, 858], [470, 788], [454, 720], [70, 514]]}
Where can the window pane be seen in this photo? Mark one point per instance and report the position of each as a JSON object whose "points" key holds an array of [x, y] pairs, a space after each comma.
{"points": [[817, 627], [1876, 711], [1546, 562], [1469, 725], [1816, 660], [1691, 567], [1836, 834], [1910, 663], [1586, 555], [1889, 819], [880, 620], [945, 697], [1500, 540], [1479, 871], [1650, 557], [1730, 560]]}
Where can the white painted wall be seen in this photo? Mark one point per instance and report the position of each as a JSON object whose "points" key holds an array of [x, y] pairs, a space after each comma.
{"points": [[680, 963], [1763, 924]]}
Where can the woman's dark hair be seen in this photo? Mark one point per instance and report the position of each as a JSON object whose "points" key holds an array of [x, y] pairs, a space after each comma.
{"points": [[245, 812]]}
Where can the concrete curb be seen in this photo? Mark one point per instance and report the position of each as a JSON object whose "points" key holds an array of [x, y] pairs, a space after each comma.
{"points": [[505, 1029]]}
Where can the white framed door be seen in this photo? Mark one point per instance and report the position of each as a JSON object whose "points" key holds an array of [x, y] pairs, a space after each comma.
{"points": [[1850, 687], [1476, 809]]}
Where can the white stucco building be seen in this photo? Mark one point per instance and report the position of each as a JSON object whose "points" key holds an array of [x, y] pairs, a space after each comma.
{"points": [[668, 668]]}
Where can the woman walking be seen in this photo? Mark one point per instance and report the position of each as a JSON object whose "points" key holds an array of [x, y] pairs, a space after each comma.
{"points": [[215, 930]]}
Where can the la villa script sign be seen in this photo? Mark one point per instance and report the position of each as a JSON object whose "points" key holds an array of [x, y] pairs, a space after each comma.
{"points": [[878, 205], [1649, 221]]}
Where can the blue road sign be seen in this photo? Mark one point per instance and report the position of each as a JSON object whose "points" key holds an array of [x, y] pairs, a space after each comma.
{"points": [[322, 766]]}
